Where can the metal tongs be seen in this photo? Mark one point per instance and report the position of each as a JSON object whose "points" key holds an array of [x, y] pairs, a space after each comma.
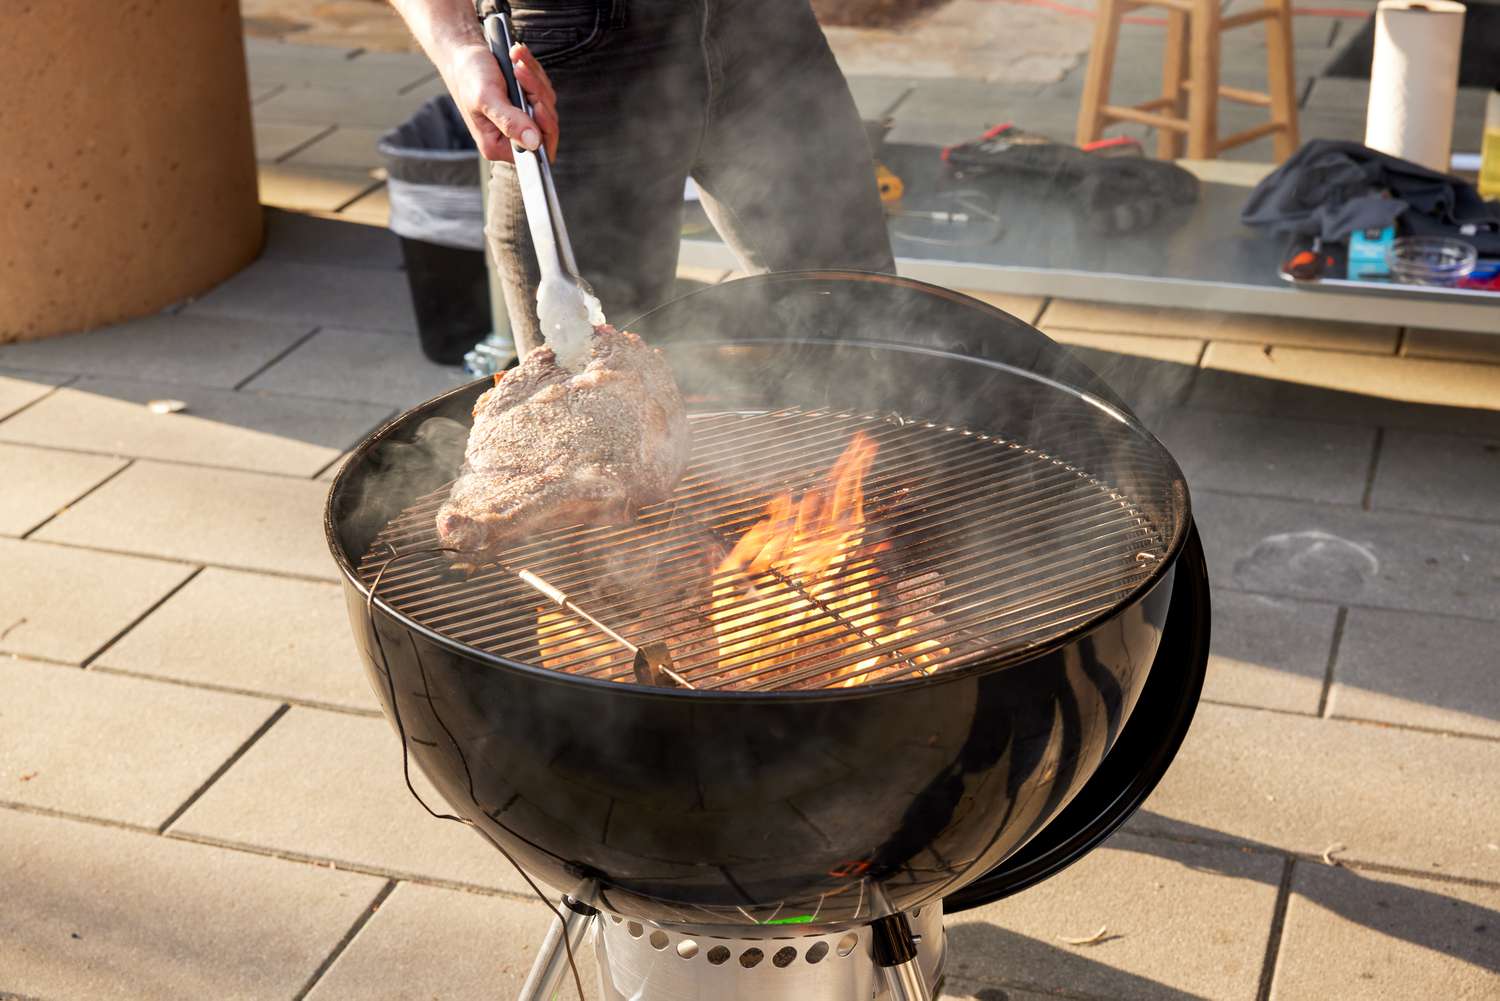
{"points": [[566, 307]]}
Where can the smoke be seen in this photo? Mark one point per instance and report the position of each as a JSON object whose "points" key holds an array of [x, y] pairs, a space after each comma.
{"points": [[396, 472]]}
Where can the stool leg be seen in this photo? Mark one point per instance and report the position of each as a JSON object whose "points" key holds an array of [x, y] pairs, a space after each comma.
{"points": [[1101, 68], [1281, 78], [1173, 72], [1203, 99]]}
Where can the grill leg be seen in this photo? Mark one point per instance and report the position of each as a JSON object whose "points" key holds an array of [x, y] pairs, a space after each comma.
{"points": [[896, 955], [551, 963]]}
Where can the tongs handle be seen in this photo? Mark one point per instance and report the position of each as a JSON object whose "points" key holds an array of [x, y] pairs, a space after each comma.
{"points": [[543, 214]]}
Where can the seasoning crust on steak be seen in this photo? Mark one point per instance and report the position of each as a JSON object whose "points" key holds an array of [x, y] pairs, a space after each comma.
{"points": [[551, 448]]}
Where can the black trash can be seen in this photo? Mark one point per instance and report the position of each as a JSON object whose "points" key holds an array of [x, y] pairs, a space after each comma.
{"points": [[433, 170]]}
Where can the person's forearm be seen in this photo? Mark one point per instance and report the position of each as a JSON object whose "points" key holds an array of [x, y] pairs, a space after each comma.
{"points": [[441, 27]]}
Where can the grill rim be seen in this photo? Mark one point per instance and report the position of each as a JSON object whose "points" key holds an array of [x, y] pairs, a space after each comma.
{"points": [[1164, 567]]}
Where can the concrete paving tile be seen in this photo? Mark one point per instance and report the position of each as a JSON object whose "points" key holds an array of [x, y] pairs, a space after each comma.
{"points": [[1251, 454], [348, 147], [39, 481], [121, 749], [1418, 670], [21, 389], [1213, 326], [328, 785], [244, 520], [1453, 345], [961, 989], [1269, 652], [448, 944], [1340, 554], [274, 140], [200, 350], [1023, 307], [1145, 371], [94, 911], [345, 103], [1182, 921], [277, 291], [273, 636], [372, 209], [328, 475], [220, 427], [299, 236], [1348, 386], [312, 189], [360, 364], [1394, 797], [1373, 937], [282, 62], [64, 604], [1439, 474]]}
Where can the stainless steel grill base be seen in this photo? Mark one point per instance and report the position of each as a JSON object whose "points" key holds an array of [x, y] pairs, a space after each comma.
{"points": [[641, 962]]}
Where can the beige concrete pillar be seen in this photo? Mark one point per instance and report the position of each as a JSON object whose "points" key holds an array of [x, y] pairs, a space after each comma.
{"points": [[127, 164]]}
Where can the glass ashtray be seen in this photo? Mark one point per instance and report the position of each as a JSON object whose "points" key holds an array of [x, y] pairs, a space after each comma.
{"points": [[1430, 260]]}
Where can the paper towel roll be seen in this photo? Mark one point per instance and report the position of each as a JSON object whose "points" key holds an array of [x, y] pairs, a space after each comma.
{"points": [[1414, 80]]}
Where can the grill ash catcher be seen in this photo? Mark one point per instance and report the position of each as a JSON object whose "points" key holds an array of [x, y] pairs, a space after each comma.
{"points": [[925, 622]]}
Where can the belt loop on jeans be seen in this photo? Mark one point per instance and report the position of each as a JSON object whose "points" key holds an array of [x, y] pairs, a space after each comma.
{"points": [[614, 12]]}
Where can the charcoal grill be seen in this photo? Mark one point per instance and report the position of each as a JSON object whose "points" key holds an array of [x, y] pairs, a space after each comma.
{"points": [[1021, 684]]}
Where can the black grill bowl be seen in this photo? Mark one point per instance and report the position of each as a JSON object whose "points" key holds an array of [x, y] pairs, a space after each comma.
{"points": [[819, 807]]}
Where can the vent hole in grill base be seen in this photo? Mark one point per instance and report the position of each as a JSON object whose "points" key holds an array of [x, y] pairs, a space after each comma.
{"points": [[751, 958], [634, 929], [659, 940], [816, 953], [718, 955], [687, 948], [784, 957], [847, 943]]}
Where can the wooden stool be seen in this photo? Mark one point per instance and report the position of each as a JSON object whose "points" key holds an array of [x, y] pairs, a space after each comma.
{"points": [[1190, 68]]}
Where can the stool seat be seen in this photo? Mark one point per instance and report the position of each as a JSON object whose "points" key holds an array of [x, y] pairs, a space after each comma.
{"points": [[1188, 108]]}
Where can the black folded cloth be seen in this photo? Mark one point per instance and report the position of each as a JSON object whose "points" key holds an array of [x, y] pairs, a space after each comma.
{"points": [[1113, 187], [1330, 188]]}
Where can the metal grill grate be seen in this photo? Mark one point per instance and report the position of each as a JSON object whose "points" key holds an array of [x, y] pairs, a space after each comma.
{"points": [[976, 547]]}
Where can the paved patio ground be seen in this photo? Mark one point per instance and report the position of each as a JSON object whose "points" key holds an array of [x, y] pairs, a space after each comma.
{"points": [[198, 798]]}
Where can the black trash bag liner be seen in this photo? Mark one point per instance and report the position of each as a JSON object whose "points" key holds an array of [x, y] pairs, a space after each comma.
{"points": [[1331, 187], [433, 177]]}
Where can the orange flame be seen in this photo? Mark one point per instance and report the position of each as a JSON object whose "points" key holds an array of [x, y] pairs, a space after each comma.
{"points": [[802, 586]]}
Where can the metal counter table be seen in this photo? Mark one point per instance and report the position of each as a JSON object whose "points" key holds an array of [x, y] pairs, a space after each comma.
{"points": [[1199, 257]]}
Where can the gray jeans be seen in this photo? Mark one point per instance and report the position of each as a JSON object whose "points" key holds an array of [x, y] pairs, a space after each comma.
{"points": [[743, 96]]}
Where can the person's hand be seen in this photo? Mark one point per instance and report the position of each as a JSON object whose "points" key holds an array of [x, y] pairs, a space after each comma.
{"points": [[477, 85]]}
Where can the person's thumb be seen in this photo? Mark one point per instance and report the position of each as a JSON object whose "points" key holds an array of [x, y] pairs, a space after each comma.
{"points": [[513, 124]]}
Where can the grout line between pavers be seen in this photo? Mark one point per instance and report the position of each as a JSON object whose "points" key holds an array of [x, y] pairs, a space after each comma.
{"points": [[82, 818], [111, 641], [1304, 599], [228, 763], [278, 357], [374, 187], [275, 89], [299, 147], [77, 500], [343, 865], [1367, 497], [408, 88], [1312, 858], [349, 937], [1278, 924], [14, 373], [1356, 508], [1380, 724], [187, 561], [1030, 986], [300, 703], [1339, 621], [193, 464]]}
